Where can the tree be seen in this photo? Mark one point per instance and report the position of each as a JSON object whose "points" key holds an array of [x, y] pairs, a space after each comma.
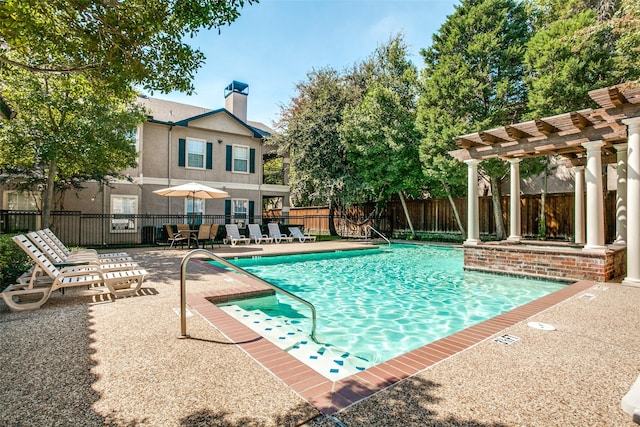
{"points": [[308, 133], [113, 43], [473, 80], [379, 131], [579, 46], [67, 132], [625, 24]]}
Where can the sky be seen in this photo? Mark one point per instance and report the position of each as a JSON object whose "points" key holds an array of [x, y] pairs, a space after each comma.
{"points": [[275, 43]]}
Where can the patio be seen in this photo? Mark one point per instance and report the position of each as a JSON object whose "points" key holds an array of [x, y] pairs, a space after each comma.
{"points": [[78, 361]]}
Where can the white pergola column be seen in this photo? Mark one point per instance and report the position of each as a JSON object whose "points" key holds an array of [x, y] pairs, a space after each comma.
{"points": [[633, 202], [621, 194], [473, 216], [579, 205], [515, 224], [595, 212]]}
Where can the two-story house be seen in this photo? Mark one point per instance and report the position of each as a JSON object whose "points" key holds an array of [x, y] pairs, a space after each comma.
{"points": [[181, 143]]}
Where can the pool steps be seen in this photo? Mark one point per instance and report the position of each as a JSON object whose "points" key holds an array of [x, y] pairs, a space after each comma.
{"points": [[325, 359]]}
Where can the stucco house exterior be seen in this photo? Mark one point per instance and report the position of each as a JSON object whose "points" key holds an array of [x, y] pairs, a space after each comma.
{"points": [[181, 143]]}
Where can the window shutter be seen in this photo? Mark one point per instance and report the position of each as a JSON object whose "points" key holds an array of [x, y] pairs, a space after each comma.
{"points": [[252, 160], [182, 143], [209, 155], [227, 211], [251, 211], [229, 157]]}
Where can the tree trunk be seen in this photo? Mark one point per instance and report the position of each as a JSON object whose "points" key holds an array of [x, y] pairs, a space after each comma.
{"points": [[455, 211], [406, 213], [332, 214], [496, 196], [47, 195]]}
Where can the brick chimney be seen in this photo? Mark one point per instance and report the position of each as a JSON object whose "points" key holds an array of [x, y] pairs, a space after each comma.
{"points": [[235, 99]]}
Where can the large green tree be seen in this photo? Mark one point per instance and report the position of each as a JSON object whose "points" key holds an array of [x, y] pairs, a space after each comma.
{"points": [[578, 46], [309, 134], [113, 43], [473, 80], [379, 130], [67, 132]]}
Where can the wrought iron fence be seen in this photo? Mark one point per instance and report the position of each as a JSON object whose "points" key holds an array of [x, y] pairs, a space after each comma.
{"points": [[104, 230]]}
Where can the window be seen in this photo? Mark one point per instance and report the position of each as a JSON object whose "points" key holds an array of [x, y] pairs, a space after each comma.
{"points": [[15, 201], [194, 209], [195, 153], [136, 137], [123, 211], [240, 209], [240, 158]]}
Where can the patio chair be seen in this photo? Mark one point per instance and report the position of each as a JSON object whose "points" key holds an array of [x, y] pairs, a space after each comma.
{"points": [[204, 235], [188, 232], [88, 258], [296, 233], [65, 253], [234, 236], [32, 293], [213, 234], [256, 234], [174, 238], [276, 234]]}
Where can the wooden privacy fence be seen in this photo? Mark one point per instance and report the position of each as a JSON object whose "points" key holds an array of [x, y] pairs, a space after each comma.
{"points": [[436, 216], [315, 220]]}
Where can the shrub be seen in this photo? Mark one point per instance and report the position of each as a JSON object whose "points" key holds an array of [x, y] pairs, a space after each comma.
{"points": [[13, 261]]}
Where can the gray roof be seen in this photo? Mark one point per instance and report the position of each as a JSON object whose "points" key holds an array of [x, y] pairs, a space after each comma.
{"points": [[161, 110], [169, 111]]}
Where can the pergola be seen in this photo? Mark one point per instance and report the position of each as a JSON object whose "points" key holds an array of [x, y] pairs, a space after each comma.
{"points": [[587, 139]]}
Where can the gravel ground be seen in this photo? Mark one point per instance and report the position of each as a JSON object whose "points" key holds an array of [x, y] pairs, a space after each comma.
{"points": [[91, 361]]}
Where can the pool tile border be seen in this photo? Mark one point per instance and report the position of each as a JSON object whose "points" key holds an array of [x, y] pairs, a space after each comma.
{"points": [[330, 397]]}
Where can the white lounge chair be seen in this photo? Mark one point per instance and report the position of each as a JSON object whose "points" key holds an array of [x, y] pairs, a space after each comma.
{"points": [[276, 234], [234, 236], [296, 233], [256, 234], [32, 293], [631, 402], [65, 253], [88, 258]]}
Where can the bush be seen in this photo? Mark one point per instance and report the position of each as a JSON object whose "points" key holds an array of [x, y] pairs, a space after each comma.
{"points": [[425, 236], [13, 261]]}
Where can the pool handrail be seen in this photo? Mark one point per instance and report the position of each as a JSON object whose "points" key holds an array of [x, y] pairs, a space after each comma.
{"points": [[378, 233], [211, 255]]}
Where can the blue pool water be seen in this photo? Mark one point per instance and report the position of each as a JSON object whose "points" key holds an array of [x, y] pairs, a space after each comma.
{"points": [[376, 304]]}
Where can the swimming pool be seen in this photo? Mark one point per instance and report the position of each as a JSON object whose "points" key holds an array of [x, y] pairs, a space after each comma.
{"points": [[375, 304]]}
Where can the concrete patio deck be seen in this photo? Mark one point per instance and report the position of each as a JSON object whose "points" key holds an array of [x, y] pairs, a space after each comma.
{"points": [[82, 360]]}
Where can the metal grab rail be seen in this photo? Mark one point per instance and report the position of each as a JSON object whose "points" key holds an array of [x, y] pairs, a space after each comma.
{"points": [[183, 296], [378, 233]]}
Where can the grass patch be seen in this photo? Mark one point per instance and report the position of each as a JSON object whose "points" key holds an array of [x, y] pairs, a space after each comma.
{"points": [[13, 261]]}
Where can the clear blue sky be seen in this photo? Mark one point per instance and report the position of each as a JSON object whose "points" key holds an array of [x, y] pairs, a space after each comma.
{"points": [[275, 43]]}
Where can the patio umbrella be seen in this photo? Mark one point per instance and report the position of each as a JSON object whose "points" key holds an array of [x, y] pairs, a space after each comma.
{"points": [[193, 190]]}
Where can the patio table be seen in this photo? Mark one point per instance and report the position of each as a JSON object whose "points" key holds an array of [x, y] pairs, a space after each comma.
{"points": [[190, 235]]}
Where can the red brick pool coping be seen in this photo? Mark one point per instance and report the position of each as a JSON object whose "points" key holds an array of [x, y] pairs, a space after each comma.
{"points": [[329, 396]]}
